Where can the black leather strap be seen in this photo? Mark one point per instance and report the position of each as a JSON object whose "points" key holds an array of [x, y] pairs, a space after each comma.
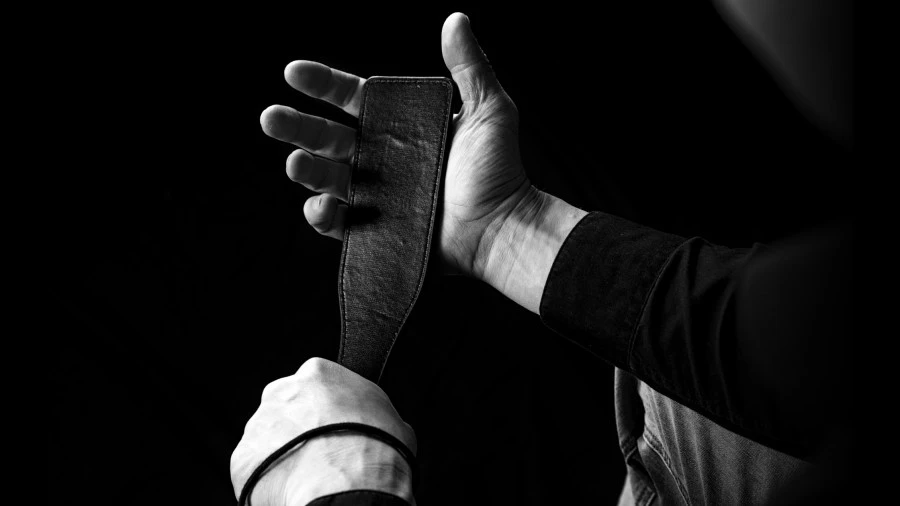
{"points": [[368, 430], [400, 154]]}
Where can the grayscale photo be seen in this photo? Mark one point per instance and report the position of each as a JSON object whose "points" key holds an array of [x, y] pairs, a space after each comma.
{"points": [[432, 254]]}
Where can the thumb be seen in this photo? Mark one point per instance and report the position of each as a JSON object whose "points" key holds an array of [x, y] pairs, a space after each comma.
{"points": [[466, 61]]}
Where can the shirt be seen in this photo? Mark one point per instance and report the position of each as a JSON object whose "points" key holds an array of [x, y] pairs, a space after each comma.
{"points": [[751, 338], [756, 339]]}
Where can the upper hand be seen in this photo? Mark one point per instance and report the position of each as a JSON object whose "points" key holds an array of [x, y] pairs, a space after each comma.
{"points": [[320, 393], [484, 181]]}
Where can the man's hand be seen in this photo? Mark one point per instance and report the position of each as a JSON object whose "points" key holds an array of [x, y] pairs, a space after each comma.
{"points": [[484, 178], [493, 224], [320, 393]]}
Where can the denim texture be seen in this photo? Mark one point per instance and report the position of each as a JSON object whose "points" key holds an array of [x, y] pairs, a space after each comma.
{"points": [[400, 153], [747, 337], [674, 455]]}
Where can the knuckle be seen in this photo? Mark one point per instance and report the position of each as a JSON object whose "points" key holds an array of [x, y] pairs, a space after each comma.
{"points": [[312, 211], [274, 388], [320, 213], [269, 390], [313, 368]]}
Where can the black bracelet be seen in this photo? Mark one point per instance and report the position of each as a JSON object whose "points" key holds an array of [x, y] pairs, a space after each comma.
{"points": [[373, 432]]}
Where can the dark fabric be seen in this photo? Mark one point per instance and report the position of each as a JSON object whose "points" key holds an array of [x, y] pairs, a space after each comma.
{"points": [[676, 456], [403, 128], [750, 338], [598, 284], [400, 152], [359, 497]]}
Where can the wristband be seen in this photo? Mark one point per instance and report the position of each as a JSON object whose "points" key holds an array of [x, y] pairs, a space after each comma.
{"points": [[368, 430]]}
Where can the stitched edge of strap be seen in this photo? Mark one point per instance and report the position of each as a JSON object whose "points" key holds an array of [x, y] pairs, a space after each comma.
{"points": [[448, 85]]}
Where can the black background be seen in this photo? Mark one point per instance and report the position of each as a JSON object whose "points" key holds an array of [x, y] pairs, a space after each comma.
{"points": [[188, 279]]}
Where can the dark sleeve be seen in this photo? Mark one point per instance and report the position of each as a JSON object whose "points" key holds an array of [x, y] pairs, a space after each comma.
{"points": [[747, 337], [359, 498]]}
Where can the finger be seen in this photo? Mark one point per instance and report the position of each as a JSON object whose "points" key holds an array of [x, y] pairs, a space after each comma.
{"points": [[326, 215], [325, 83], [465, 60], [312, 133], [319, 174]]}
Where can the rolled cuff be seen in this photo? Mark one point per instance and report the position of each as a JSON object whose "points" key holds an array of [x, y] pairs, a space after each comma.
{"points": [[600, 281]]}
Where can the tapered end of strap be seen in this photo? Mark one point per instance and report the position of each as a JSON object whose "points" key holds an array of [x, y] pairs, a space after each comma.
{"points": [[404, 124]]}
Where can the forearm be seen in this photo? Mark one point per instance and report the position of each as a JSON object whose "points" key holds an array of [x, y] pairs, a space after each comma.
{"points": [[628, 294], [676, 313], [521, 246]]}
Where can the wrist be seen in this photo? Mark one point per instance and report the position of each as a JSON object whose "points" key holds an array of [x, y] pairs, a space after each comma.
{"points": [[519, 247], [336, 463]]}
